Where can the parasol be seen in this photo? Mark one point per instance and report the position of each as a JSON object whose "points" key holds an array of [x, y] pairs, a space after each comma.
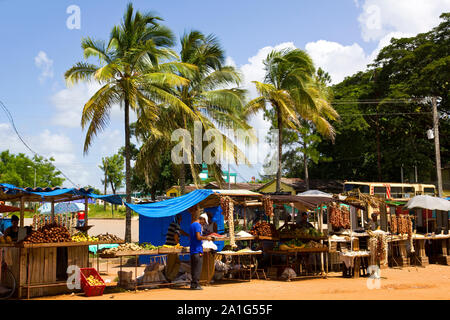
{"points": [[428, 202]]}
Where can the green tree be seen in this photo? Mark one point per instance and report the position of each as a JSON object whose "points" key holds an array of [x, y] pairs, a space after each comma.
{"points": [[290, 89], [208, 95], [19, 170], [134, 71]]}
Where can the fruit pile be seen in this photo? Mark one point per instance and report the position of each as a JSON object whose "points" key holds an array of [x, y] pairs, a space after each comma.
{"points": [[49, 233], [94, 281], [83, 237], [303, 232], [264, 229], [108, 237], [6, 239], [148, 246]]}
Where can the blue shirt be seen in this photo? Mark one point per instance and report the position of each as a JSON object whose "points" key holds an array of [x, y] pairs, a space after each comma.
{"points": [[196, 245]]}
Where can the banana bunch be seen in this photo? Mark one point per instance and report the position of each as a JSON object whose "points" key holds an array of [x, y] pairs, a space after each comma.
{"points": [[83, 237]]}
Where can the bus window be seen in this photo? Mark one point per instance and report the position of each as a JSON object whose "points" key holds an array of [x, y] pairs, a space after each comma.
{"points": [[379, 191], [429, 191], [362, 188]]}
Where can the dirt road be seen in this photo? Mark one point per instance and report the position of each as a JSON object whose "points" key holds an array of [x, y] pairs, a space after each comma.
{"points": [[432, 282]]}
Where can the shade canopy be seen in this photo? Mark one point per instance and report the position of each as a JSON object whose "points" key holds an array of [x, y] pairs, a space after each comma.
{"points": [[172, 206], [9, 192], [204, 198], [315, 193], [428, 202]]}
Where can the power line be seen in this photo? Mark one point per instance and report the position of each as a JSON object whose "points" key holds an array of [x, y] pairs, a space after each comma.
{"points": [[381, 114], [11, 120]]}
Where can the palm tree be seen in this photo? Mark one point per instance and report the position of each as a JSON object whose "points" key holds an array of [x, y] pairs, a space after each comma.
{"points": [[134, 71], [290, 89], [208, 95]]}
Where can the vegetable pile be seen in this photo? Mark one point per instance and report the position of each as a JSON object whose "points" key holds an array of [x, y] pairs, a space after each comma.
{"points": [[48, 234], [108, 237]]}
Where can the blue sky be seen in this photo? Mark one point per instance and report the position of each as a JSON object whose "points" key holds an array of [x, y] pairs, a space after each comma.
{"points": [[37, 48]]}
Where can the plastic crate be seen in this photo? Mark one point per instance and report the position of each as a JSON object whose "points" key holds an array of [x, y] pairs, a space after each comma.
{"points": [[89, 290]]}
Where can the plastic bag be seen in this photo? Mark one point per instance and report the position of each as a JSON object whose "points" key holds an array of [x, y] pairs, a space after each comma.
{"points": [[209, 245]]}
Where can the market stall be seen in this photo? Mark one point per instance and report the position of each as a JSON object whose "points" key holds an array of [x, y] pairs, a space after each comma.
{"points": [[155, 218], [40, 259]]}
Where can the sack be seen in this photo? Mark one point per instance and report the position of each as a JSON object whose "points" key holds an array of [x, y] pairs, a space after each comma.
{"points": [[288, 274]]}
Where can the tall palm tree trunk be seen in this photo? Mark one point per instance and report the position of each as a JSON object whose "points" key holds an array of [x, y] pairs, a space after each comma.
{"points": [[280, 149], [127, 171], [305, 162], [182, 179]]}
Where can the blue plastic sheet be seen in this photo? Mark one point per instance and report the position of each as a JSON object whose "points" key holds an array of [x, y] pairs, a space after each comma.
{"points": [[171, 207]]}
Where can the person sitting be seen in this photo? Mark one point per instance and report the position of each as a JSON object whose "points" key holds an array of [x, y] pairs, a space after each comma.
{"points": [[303, 223], [13, 231]]}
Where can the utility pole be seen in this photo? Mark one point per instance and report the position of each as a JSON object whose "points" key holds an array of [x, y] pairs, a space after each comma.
{"points": [[105, 164], [437, 147]]}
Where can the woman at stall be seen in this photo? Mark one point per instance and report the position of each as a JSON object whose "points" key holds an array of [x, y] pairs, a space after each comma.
{"points": [[13, 231]]}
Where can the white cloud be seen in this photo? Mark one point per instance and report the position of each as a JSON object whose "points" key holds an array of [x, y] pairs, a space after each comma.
{"points": [[381, 17], [336, 59], [69, 103], [45, 64]]}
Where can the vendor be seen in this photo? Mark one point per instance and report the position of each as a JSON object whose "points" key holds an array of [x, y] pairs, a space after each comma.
{"points": [[174, 231], [13, 231], [210, 226], [196, 248], [303, 222], [80, 219]]}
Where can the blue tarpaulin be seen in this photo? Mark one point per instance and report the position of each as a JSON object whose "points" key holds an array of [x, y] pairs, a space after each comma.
{"points": [[11, 189], [155, 218], [171, 207]]}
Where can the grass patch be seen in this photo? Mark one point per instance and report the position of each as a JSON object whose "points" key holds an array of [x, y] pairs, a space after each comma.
{"points": [[98, 211]]}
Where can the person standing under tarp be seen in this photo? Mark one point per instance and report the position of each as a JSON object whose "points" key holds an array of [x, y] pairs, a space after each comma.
{"points": [[196, 247], [174, 231], [80, 219]]}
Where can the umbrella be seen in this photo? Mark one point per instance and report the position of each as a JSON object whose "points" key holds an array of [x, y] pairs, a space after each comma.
{"points": [[315, 193], [428, 202], [62, 207]]}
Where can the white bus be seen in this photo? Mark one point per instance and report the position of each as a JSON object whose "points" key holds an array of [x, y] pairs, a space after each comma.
{"points": [[391, 190]]}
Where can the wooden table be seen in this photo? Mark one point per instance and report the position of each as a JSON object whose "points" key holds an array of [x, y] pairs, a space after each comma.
{"points": [[353, 272], [294, 253], [252, 260]]}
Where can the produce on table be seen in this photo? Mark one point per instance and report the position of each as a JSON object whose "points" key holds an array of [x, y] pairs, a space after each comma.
{"points": [[303, 232], [108, 237], [83, 237], [5, 239], [94, 281], [48, 234], [122, 247], [148, 246], [265, 229]]}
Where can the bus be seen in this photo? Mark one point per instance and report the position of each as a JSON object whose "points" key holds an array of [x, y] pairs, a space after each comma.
{"points": [[391, 190]]}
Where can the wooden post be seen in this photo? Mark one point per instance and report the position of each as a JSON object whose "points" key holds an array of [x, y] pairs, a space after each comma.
{"points": [[86, 209], [22, 212], [53, 211], [245, 217]]}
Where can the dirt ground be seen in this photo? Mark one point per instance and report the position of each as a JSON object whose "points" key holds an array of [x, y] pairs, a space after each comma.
{"points": [[432, 282]]}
